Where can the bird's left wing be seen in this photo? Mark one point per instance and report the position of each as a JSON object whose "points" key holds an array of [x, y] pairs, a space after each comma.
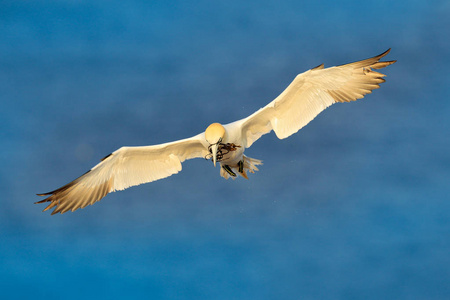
{"points": [[310, 93], [125, 167]]}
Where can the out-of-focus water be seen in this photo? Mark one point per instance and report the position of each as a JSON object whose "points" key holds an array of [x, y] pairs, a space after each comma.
{"points": [[354, 206]]}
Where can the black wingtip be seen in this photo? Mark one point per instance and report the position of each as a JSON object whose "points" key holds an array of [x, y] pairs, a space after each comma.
{"points": [[385, 53], [106, 157], [319, 67]]}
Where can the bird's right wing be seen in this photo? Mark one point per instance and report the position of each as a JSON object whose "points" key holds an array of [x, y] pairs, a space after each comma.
{"points": [[125, 167], [309, 94]]}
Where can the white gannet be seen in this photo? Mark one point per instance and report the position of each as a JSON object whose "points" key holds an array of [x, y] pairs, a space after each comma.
{"points": [[309, 94]]}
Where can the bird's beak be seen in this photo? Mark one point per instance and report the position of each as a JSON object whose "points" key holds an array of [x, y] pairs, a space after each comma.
{"points": [[214, 153]]}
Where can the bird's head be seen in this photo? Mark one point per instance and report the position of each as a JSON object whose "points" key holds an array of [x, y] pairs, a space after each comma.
{"points": [[214, 135]]}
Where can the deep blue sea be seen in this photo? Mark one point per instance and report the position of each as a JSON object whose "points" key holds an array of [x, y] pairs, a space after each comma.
{"points": [[354, 206]]}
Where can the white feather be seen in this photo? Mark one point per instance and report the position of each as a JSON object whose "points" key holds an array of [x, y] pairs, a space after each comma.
{"points": [[126, 167], [310, 93]]}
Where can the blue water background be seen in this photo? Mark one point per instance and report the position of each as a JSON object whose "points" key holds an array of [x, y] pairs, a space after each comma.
{"points": [[354, 206]]}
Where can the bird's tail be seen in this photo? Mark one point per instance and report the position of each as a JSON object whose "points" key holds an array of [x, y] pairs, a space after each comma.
{"points": [[249, 165]]}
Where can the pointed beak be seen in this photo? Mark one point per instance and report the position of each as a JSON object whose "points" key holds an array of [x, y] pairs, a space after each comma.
{"points": [[214, 153]]}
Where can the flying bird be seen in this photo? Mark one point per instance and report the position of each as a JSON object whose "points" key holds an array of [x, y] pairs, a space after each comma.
{"points": [[310, 93]]}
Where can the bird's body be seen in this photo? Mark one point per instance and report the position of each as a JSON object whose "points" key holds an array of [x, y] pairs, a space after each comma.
{"points": [[230, 150], [309, 94]]}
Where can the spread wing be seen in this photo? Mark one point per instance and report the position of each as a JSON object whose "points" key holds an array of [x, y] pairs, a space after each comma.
{"points": [[309, 94], [125, 167]]}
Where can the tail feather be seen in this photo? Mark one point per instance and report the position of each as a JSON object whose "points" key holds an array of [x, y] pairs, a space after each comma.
{"points": [[250, 165]]}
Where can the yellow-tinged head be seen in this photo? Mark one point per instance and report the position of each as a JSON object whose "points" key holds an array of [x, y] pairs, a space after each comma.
{"points": [[214, 135]]}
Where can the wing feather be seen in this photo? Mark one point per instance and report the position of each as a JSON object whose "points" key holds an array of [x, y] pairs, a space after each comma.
{"points": [[126, 167], [309, 94]]}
